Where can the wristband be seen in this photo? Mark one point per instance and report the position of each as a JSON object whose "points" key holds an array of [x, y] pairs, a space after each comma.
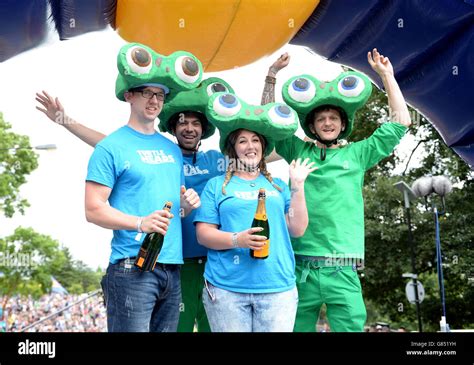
{"points": [[139, 225], [235, 244], [270, 79]]}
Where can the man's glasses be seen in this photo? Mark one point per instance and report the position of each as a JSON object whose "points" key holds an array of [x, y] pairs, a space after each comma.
{"points": [[148, 94]]}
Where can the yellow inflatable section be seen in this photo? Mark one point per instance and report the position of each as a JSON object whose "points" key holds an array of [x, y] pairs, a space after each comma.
{"points": [[223, 34]]}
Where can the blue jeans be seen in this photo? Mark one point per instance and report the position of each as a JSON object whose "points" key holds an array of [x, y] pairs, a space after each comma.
{"points": [[242, 312], [142, 301]]}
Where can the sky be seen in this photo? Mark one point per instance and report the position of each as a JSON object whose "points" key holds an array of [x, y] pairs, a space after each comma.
{"points": [[82, 73]]}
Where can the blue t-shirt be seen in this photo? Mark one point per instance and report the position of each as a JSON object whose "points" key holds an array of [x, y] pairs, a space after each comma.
{"points": [[234, 269], [208, 164], [144, 172]]}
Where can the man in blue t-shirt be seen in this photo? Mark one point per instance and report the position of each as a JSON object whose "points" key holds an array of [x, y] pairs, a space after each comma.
{"points": [[131, 174], [189, 128], [198, 167]]}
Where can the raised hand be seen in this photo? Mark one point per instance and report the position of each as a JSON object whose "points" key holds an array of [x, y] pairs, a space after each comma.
{"points": [[280, 63], [299, 170], [52, 108], [379, 63]]}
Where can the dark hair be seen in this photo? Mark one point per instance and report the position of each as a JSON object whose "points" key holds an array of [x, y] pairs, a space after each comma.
{"points": [[188, 113], [325, 108]]}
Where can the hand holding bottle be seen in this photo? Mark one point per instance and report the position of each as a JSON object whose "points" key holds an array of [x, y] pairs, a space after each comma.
{"points": [[248, 239], [153, 242], [157, 221]]}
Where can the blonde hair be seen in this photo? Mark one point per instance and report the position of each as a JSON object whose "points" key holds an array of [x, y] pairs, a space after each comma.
{"points": [[231, 168]]}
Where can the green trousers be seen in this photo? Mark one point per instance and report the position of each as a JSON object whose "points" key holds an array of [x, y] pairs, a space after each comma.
{"points": [[336, 286], [191, 309]]}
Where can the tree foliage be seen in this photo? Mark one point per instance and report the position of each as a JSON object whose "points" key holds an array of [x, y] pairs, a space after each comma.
{"points": [[17, 161], [76, 276], [388, 252], [29, 259]]}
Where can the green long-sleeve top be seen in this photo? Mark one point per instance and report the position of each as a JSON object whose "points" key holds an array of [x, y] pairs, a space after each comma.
{"points": [[334, 191]]}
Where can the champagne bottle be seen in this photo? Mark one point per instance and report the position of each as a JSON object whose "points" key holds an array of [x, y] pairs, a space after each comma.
{"points": [[261, 220], [151, 247]]}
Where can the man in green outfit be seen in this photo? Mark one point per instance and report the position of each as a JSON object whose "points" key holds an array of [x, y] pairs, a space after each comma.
{"points": [[328, 254]]}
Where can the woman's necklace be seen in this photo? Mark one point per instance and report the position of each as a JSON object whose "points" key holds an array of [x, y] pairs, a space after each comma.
{"points": [[252, 182]]}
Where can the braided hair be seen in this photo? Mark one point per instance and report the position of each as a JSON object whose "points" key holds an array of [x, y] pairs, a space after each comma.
{"points": [[263, 169]]}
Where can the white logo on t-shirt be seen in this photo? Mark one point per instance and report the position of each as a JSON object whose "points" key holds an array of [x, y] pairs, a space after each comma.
{"points": [[190, 170], [253, 195], [154, 157]]}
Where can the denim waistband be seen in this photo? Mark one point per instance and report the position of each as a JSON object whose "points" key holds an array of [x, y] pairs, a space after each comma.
{"points": [[131, 261]]}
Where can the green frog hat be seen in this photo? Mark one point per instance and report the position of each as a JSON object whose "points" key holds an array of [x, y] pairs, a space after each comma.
{"points": [[349, 92], [275, 121], [194, 100], [139, 65]]}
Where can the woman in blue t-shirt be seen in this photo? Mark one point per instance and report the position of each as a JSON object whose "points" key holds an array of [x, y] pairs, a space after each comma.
{"points": [[244, 294]]}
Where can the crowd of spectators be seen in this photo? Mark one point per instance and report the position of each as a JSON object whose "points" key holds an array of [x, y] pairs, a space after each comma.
{"points": [[86, 316]]}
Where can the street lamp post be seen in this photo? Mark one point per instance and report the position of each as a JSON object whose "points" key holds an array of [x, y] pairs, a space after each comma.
{"points": [[424, 187], [408, 195], [45, 147]]}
